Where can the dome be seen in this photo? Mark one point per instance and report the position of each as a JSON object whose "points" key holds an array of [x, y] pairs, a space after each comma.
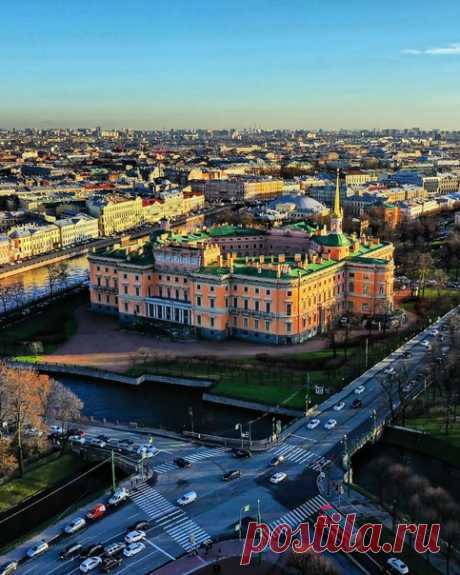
{"points": [[301, 203]]}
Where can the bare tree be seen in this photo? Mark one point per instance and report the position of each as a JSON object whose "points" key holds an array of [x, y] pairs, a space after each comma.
{"points": [[5, 297], [63, 405], [53, 273], [17, 292]]}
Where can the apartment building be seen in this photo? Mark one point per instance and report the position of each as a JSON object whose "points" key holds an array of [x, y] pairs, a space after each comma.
{"points": [[116, 213], [29, 240], [234, 282], [238, 188], [77, 229]]}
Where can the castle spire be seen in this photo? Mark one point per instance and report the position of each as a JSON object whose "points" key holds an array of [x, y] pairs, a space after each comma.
{"points": [[338, 213]]}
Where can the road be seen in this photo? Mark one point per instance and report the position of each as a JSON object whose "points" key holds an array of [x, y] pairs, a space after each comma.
{"points": [[175, 531]]}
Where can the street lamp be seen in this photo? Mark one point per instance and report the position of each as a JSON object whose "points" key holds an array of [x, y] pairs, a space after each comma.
{"points": [[190, 412], [246, 509]]}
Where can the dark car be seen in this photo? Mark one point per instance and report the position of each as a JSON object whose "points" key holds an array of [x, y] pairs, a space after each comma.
{"points": [[8, 568], [114, 549], [356, 403], [71, 551], [183, 463], [92, 550], [111, 563], [234, 474], [141, 525], [75, 431], [103, 437], [125, 442], [241, 453], [407, 354]]}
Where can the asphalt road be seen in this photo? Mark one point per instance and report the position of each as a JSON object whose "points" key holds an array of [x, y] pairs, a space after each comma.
{"points": [[175, 531]]}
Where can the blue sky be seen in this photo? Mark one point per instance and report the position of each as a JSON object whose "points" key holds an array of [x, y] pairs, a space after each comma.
{"points": [[230, 63]]}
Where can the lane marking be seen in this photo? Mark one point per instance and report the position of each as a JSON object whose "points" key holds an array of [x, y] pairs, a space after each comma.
{"points": [[160, 549]]}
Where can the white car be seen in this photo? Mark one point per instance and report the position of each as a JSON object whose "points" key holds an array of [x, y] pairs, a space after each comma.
{"points": [[37, 549], [278, 477], [133, 549], [330, 424], [98, 442], [313, 423], [426, 344], [187, 498], [434, 331], [135, 536], [119, 496], [390, 371], [397, 566], [90, 564], [360, 389], [56, 429], [339, 406], [75, 525], [77, 439]]}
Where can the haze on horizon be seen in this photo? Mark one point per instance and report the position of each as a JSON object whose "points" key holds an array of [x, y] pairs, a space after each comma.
{"points": [[266, 63]]}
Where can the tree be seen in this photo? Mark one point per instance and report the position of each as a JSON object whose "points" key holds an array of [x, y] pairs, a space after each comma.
{"points": [[23, 401], [63, 273], [17, 292], [441, 279], [5, 297], [7, 459], [63, 405], [311, 563], [53, 273]]}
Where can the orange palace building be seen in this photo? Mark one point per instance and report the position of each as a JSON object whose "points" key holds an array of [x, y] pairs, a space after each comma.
{"points": [[278, 286]]}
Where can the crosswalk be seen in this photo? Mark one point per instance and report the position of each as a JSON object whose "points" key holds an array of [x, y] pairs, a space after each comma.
{"points": [[172, 519], [302, 456], [183, 530], [165, 468], [198, 455], [300, 513]]}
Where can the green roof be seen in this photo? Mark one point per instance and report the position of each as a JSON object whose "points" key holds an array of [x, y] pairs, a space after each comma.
{"points": [[229, 230], [141, 258], [303, 226], [333, 240], [366, 260]]}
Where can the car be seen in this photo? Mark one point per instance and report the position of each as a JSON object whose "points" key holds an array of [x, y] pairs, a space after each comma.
{"points": [[142, 525], [92, 551], [183, 463], [114, 548], [118, 496], [104, 438], [313, 423], [75, 525], [56, 429], [407, 354], [397, 566], [406, 388], [434, 331], [339, 406], [37, 549], [187, 498], [134, 536], [278, 477], [241, 453], [389, 371], [330, 424], [133, 549], [278, 460], [96, 512], [71, 551], [75, 431], [356, 403], [126, 441], [77, 439], [90, 564], [360, 389], [8, 568], [111, 563], [426, 344], [230, 475], [97, 442]]}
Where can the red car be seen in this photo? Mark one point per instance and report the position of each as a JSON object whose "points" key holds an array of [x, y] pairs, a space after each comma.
{"points": [[96, 512]]}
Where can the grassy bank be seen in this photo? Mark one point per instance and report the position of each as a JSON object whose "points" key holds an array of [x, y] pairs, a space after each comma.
{"points": [[434, 425], [42, 475]]}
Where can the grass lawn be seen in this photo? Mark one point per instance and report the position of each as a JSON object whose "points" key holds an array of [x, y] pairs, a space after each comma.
{"points": [[43, 475], [435, 427]]}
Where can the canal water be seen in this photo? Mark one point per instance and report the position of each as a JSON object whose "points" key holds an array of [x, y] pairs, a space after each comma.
{"points": [[36, 284], [164, 406]]}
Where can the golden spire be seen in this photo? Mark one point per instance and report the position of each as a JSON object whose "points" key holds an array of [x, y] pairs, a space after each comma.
{"points": [[338, 213]]}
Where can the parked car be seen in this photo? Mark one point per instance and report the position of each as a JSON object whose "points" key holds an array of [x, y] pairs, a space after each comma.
{"points": [[75, 525], [114, 548], [118, 496], [37, 549], [360, 389], [8, 568], [313, 423], [356, 403], [187, 498], [278, 460], [75, 431], [93, 550], [230, 475], [339, 406], [330, 424], [90, 564], [183, 463], [241, 453], [97, 442], [71, 551], [397, 566], [77, 439], [426, 344], [142, 525], [111, 563], [134, 536], [407, 354], [389, 371], [133, 549], [56, 429], [96, 512], [278, 477]]}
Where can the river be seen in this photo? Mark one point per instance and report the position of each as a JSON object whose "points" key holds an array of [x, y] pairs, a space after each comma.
{"points": [[164, 406], [35, 282]]}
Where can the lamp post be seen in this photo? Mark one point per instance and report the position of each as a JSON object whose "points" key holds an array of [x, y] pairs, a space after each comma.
{"points": [[246, 509], [190, 412]]}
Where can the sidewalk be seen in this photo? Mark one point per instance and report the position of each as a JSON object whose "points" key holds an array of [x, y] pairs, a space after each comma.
{"points": [[352, 501]]}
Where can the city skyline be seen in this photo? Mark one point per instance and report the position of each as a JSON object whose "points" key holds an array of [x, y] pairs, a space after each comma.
{"points": [[276, 65]]}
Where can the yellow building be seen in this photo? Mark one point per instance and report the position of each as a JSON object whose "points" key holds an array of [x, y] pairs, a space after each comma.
{"points": [[116, 213], [30, 241], [77, 229]]}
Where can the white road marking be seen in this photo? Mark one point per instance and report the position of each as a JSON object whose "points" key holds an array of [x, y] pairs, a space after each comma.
{"points": [[160, 549]]}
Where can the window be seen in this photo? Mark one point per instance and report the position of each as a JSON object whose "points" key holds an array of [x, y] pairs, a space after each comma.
{"points": [[160, 291], [98, 268], [245, 289], [235, 302], [267, 292], [381, 290], [256, 324], [267, 307], [257, 290], [98, 297], [211, 288], [365, 307], [351, 287], [212, 302], [351, 274], [137, 278], [289, 309], [245, 322], [176, 279], [125, 276], [198, 286], [125, 288], [98, 279], [288, 327], [106, 270], [137, 291], [138, 309], [267, 326], [246, 304], [365, 290], [198, 319], [168, 278], [289, 293], [198, 300], [177, 294], [211, 321], [256, 305], [160, 276], [126, 306]]}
